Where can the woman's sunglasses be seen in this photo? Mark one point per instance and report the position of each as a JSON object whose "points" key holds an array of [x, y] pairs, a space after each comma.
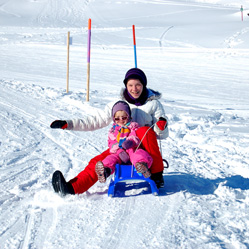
{"points": [[120, 118]]}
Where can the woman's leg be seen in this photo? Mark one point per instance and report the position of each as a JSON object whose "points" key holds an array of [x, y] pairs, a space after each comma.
{"points": [[87, 177], [149, 143]]}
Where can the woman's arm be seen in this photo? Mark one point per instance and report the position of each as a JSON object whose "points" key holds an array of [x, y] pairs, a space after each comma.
{"points": [[159, 113], [99, 119]]}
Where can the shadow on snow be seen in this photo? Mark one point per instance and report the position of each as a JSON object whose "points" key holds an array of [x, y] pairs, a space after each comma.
{"points": [[177, 182], [181, 182]]}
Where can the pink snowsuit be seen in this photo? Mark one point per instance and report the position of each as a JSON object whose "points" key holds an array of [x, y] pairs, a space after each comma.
{"points": [[116, 136]]}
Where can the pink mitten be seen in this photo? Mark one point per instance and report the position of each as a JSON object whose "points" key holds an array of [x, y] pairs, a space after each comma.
{"points": [[124, 157], [127, 144]]}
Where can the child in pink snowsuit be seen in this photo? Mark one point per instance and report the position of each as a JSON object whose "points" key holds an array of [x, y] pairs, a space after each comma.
{"points": [[122, 143]]}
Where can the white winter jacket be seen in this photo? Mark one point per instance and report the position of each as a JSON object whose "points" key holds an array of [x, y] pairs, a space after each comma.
{"points": [[145, 115]]}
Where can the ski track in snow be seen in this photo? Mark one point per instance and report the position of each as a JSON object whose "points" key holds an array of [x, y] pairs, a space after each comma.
{"points": [[205, 201], [200, 159], [59, 13]]}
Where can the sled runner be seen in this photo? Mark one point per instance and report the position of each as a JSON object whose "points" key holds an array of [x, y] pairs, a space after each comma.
{"points": [[125, 173]]}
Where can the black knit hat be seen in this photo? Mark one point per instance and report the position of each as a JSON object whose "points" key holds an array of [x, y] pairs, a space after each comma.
{"points": [[136, 73]]}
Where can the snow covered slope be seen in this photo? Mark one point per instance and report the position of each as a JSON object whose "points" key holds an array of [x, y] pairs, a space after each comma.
{"points": [[195, 52]]}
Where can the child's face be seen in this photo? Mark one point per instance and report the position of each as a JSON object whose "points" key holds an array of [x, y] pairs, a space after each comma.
{"points": [[121, 118]]}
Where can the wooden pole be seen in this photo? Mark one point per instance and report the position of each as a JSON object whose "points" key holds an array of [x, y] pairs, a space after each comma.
{"points": [[68, 45], [88, 59]]}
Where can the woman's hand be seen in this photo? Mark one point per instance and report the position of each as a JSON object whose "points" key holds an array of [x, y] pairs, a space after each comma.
{"points": [[162, 123], [59, 124]]}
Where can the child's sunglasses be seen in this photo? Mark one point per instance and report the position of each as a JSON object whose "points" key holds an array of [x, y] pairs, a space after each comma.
{"points": [[120, 118]]}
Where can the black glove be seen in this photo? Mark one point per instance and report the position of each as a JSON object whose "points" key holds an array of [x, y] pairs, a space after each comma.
{"points": [[162, 119], [59, 124]]}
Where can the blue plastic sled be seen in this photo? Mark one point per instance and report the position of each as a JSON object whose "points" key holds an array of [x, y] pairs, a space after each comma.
{"points": [[126, 173]]}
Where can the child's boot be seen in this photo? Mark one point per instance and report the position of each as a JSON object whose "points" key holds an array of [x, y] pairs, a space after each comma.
{"points": [[102, 172], [142, 167]]}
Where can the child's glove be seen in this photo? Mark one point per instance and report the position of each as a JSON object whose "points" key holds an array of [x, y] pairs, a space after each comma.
{"points": [[161, 123], [127, 144], [124, 157], [59, 124]]}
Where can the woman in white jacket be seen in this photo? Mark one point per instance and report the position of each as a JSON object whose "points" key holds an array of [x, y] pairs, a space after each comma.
{"points": [[146, 110]]}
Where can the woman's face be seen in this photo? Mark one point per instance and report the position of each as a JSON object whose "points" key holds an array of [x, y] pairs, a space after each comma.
{"points": [[134, 87]]}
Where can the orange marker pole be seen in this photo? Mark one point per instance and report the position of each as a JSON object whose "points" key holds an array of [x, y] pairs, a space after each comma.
{"points": [[134, 43]]}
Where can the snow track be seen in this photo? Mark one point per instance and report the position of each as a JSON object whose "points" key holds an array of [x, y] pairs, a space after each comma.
{"points": [[199, 174], [63, 13]]}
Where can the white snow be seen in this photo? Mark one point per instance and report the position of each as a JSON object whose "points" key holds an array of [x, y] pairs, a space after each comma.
{"points": [[195, 52]]}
